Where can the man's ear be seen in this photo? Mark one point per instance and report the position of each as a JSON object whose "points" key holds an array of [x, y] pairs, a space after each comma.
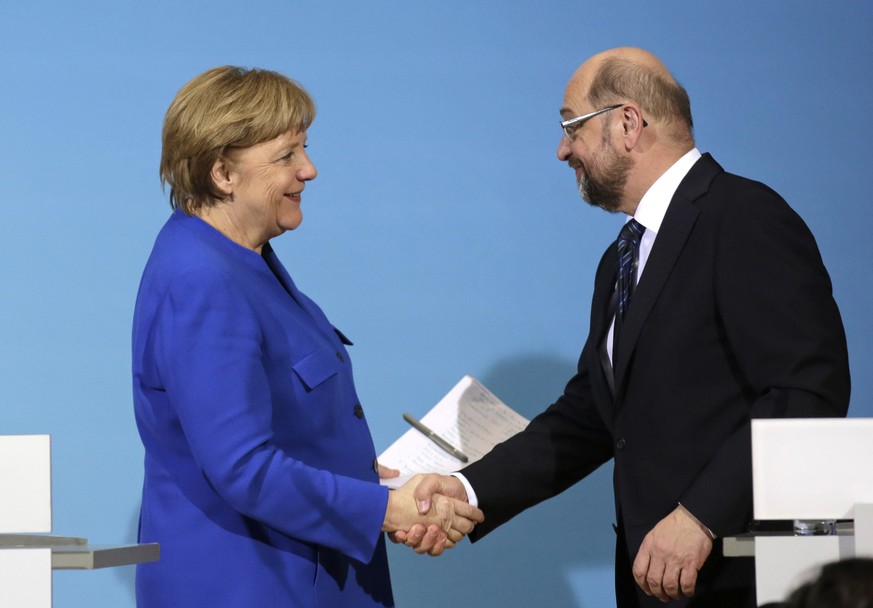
{"points": [[632, 123], [221, 176]]}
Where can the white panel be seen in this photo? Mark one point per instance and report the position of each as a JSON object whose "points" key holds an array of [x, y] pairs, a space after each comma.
{"points": [[782, 563], [25, 484], [26, 578], [811, 468], [864, 530]]}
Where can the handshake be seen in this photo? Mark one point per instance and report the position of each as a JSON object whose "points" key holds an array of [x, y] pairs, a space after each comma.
{"points": [[430, 513]]}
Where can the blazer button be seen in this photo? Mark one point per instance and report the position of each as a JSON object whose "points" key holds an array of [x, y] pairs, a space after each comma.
{"points": [[339, 356], [620, 443], [359, 411]]}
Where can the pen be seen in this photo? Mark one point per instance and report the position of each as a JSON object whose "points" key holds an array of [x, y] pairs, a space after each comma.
{"points": [[448, 447]]}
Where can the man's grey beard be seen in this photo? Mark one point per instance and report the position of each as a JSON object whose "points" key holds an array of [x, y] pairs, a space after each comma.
{"points": [[606, 191]]}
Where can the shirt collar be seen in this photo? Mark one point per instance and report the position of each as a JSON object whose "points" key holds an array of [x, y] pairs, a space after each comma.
{"points": [[653, 206]]}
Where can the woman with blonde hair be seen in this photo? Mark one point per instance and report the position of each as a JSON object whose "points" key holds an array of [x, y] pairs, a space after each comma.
{"points": [[261, 480]]}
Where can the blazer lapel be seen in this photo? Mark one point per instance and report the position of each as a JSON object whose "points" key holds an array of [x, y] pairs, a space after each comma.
{"points": [[306, 306], [677, 225]]}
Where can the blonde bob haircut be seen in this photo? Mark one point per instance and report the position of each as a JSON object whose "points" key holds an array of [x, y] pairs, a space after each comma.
{"points": [[224, 108]]}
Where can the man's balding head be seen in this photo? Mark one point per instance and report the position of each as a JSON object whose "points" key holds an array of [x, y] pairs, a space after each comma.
{"points": [[632, 74]]}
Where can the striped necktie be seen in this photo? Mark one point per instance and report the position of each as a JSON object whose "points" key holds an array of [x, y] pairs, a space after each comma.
{"points": [[628, 260]]}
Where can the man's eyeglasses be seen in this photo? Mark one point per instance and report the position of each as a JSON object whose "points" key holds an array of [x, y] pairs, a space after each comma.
{"points": [[571, 125]]}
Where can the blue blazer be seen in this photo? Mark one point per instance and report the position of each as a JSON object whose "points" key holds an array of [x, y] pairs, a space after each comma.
{"points": [[259, 465]]}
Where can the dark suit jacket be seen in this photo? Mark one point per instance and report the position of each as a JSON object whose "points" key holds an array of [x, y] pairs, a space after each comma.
{"points": [[732, 319]]}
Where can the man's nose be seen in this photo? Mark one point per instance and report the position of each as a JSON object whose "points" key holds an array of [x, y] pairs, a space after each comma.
{"points": [[563, 149]]}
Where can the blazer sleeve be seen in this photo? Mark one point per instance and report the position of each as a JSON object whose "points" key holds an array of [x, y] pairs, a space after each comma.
{"points": [[209, 357], [784, 332], [558, 448]]}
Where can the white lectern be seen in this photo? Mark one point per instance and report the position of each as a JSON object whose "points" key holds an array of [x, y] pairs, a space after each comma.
{"points": [[27, 556], [810, 468], [25, 506]]}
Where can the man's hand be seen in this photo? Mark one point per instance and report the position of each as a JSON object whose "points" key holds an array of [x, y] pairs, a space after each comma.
{"points": [[429, 539], [435, 523], [671, 554], [438, 484]]}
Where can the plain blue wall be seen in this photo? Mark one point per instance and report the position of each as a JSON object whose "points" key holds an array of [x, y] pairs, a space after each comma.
{"points": [[441, 234]]}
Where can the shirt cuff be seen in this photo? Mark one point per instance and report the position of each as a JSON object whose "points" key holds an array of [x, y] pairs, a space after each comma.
{"points": [[698, 522], [471, 495]]}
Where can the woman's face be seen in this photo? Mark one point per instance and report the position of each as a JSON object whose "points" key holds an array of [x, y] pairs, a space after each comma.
{"points": [[266, 183]]}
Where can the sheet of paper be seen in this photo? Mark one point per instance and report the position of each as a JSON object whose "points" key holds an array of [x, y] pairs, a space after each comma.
{"points": [[469, 417]]}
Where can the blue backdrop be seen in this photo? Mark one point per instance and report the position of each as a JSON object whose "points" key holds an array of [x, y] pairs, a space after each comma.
{"points": [[441, 234]]}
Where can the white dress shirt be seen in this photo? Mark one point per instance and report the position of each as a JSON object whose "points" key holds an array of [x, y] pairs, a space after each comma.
{"points": [[650, 213]]}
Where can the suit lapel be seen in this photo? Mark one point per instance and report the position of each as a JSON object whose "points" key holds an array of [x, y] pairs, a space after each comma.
{"points": [[602, 312], [675, 229]]}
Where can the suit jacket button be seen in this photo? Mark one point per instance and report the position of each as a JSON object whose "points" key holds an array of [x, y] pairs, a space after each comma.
{"points": [[359, 411], [620, 443], [339, 356]]}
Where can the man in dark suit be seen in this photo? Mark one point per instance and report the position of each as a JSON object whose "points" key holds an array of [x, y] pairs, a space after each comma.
{"points": [[725, 315]]}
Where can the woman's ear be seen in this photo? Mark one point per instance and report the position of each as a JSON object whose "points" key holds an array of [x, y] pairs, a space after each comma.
{"points": [[221, 176]]}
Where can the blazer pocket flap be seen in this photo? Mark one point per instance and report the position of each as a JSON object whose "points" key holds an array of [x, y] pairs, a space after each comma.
{"points": [[316, 367]]}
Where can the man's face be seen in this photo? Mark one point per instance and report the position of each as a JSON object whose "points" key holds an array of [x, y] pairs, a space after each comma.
{"points": [[602, 178], [601, 171]]}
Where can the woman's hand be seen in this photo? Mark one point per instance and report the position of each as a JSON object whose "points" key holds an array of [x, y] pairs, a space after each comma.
{"points": [[386, 473], [448, 518]]}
